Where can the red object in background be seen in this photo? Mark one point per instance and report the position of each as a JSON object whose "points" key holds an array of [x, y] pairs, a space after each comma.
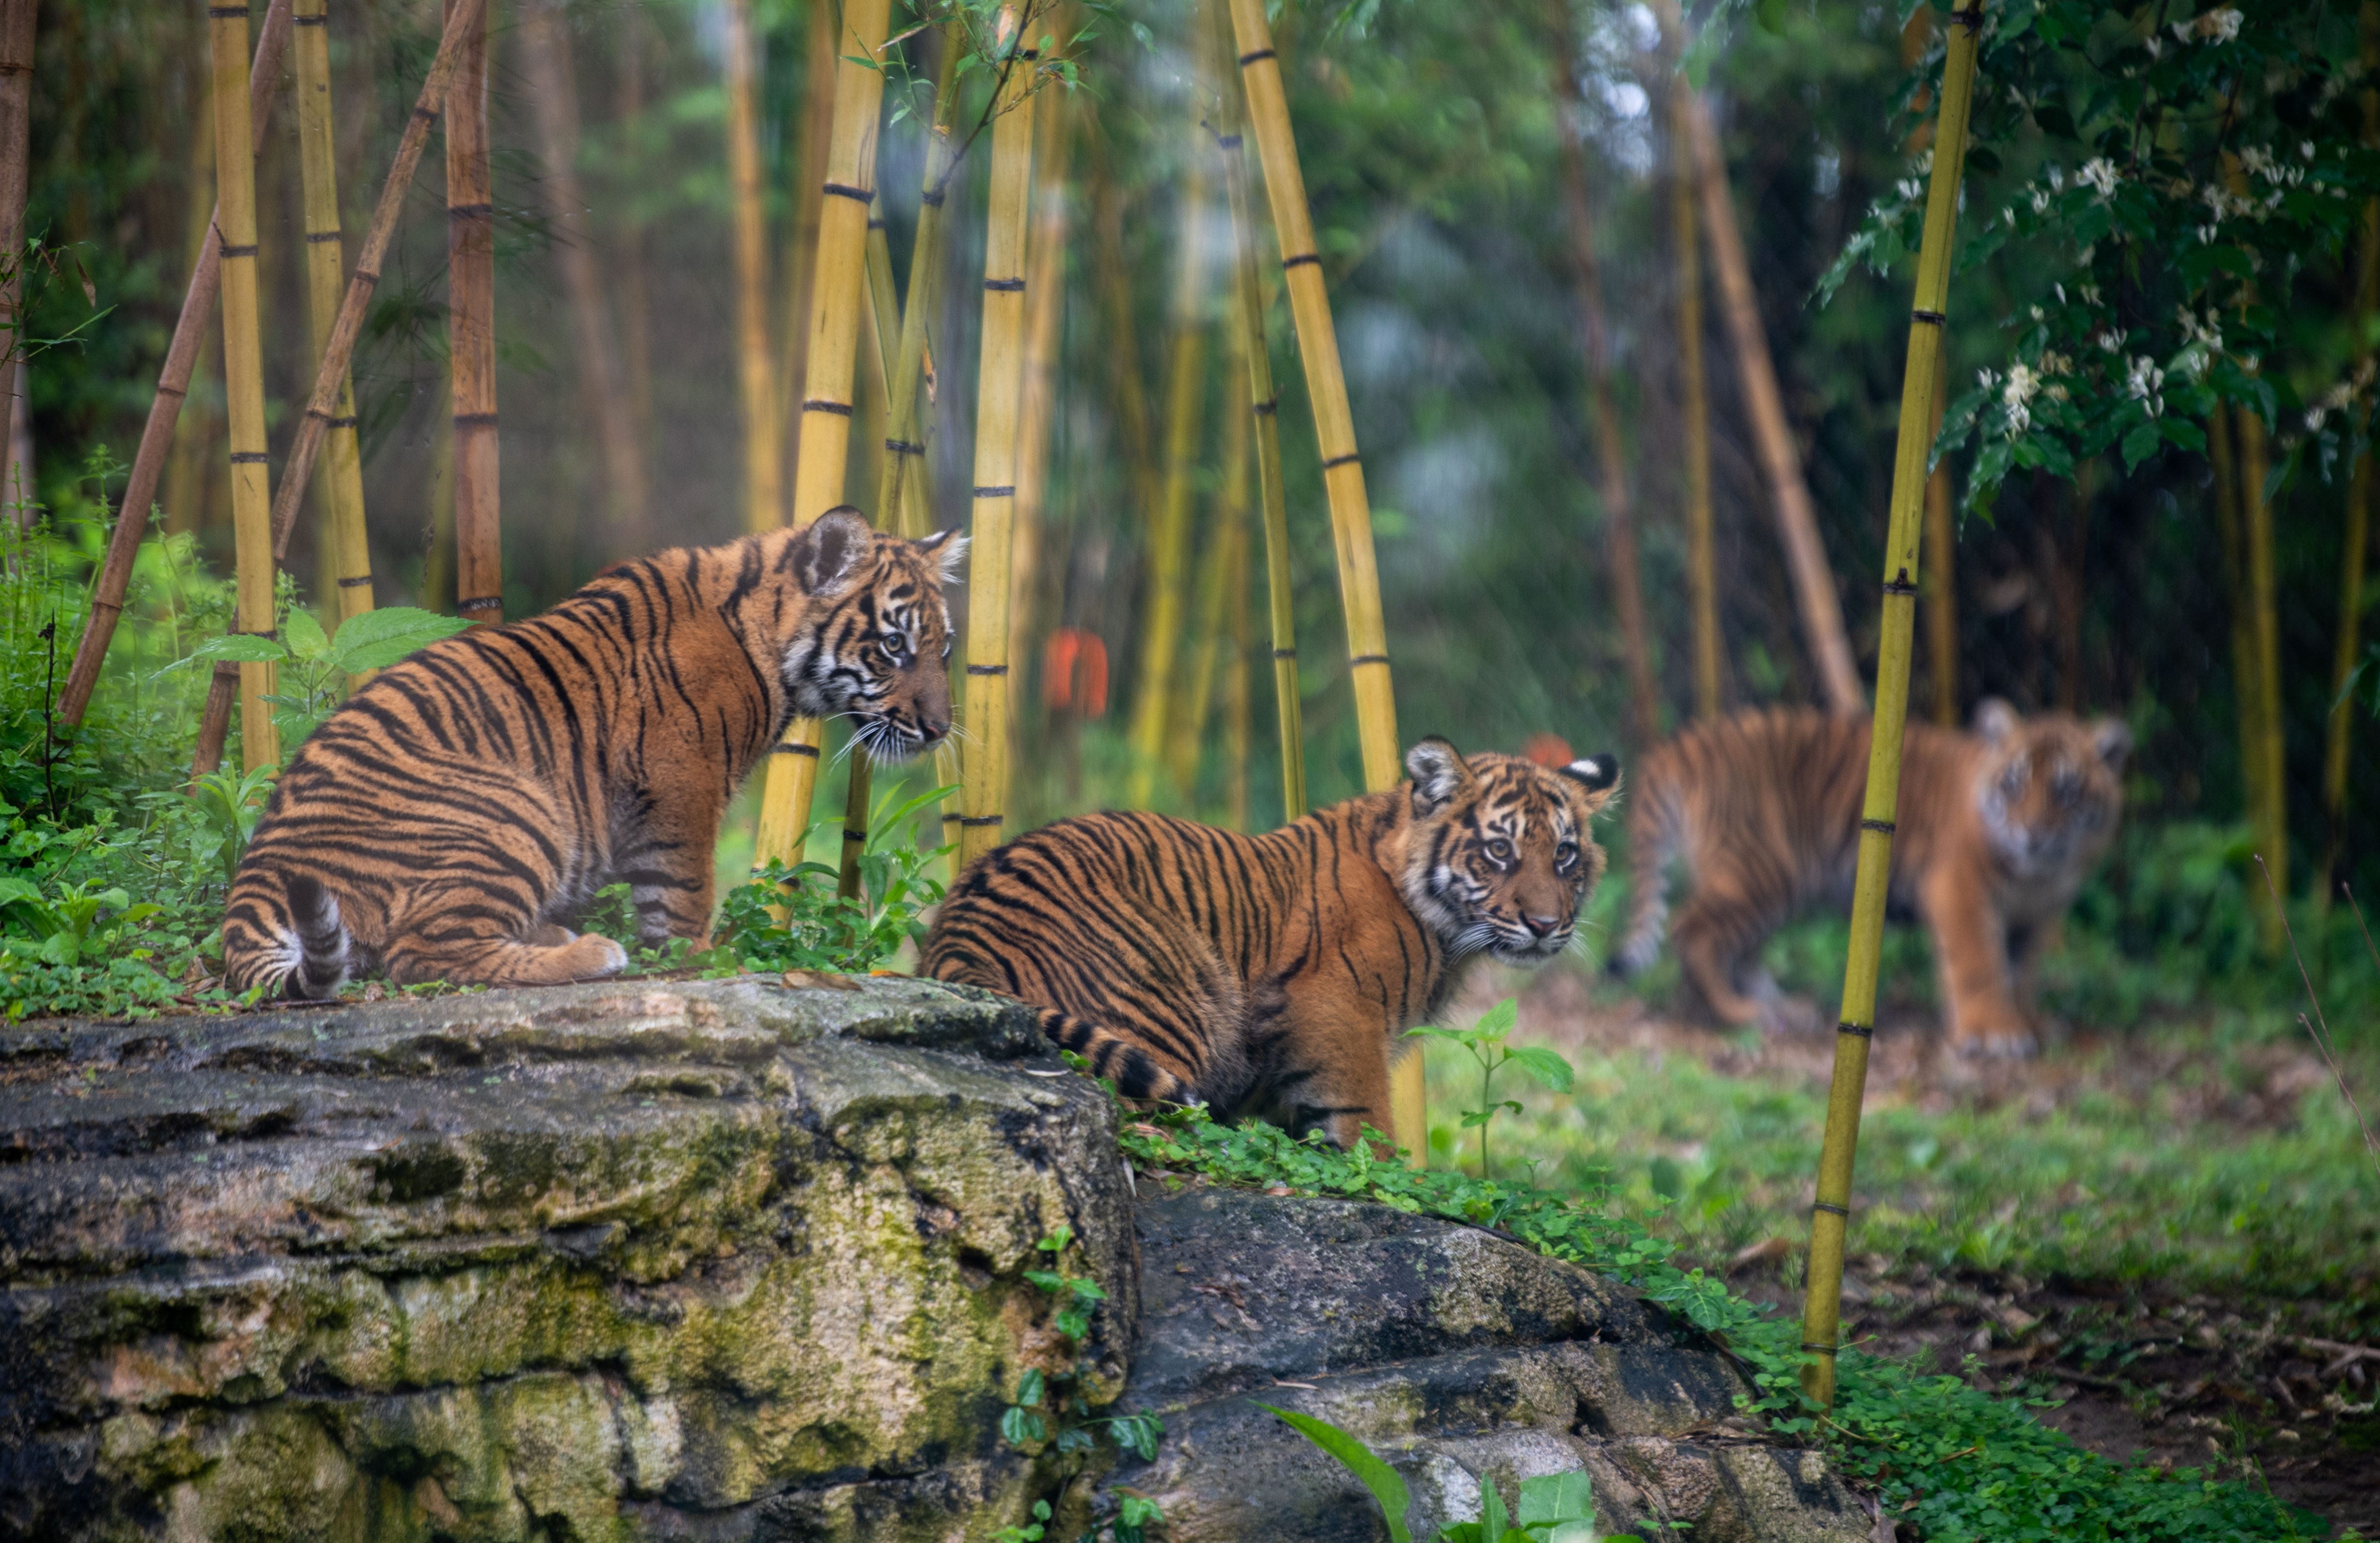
{"points": [[1074, 672], [1549, 750]]}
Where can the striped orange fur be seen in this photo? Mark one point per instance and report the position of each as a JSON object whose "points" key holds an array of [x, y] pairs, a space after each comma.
{"points": [[1269, 975], [1996, 831], [449, 821]]}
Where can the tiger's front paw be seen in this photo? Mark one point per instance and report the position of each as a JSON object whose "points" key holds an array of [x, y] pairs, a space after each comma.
{"points": [[2006, 1039]]}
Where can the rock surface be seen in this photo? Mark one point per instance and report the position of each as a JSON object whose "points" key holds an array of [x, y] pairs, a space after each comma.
{"points": [[1460, 1357], [714, 1260]]}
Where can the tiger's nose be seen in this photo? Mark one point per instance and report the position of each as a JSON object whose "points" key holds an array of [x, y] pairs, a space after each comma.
{"points": [[934, 727], [1544, 927]]}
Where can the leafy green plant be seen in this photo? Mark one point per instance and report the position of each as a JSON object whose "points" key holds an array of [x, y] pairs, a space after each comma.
{"points": [[1555, 1508], [316, 665], [789, 916], [231, 803], [1485, 1042]]}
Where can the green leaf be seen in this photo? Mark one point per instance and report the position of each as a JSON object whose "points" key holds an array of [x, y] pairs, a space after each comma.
{"points": [[1498, 1021], [1387, 1486], [306, 638], [378, 638], [1551, 1498], [240, 647], [1771, 16], [13, 889], [1549, 1069], [2141, 442], [1493, 1523]]}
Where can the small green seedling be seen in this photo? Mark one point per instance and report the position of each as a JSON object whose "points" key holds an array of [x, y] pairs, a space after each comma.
{"points": [[1485, 1041], [318, 665]]}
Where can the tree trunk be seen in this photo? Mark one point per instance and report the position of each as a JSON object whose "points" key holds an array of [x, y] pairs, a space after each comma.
{"points": [[603, 379], [755, 370], [1702, 542], [2339, 733], [1343, 469], [345, 540], [1797, 521], [472, 333], [828, 357], [16, 132], [2273, 829], [172, 385], [1611, 447], [243, 376], [999, 382]]}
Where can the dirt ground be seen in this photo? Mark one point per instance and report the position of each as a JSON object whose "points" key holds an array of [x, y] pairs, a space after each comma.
{"points": [[2139, 1371]]}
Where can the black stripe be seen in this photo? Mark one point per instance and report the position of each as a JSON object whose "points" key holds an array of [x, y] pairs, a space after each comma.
{"points": [[814, 404], [1337, 461], [1006, 286], [1248, 59], [794, 748], [1301, 257], [844, 190]]}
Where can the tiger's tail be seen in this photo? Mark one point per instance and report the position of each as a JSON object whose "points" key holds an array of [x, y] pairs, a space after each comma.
{"points": [[1656, 827], [299, 945], [1116, 1057]]}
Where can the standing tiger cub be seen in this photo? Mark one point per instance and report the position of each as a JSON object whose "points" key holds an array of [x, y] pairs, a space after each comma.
{"points": [[457, 811], [1269, 975], [1996, 829]]}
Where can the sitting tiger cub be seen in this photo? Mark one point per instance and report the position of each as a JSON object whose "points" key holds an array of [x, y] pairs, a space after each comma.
{"points": [[460, 808], [1269, 975], [1996, 831]]}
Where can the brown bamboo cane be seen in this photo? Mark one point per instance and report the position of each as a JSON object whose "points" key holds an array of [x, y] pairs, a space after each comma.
{"points": [[1000, 386], [755, 371], [900, 495], [186, 487], [1701, 542], [628, 238], [1610, 446], [173, 385], [471, 334], [1829, 1217], [1264, 412], [346, 536], [2247, 677], [243, 374], [2067, 549], [2273, 828], [1940, 603], [1780, 461], [832, 353], [1045, 311], [462, 21], [1187, 730], [1342, 470], [1165, 596], [16, 143], [1238, 707], [602, 378], [2339, 732]]}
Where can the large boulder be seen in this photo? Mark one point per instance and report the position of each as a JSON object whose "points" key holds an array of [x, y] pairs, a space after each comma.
{"points": [[1460, 1358], [639, 1261]]}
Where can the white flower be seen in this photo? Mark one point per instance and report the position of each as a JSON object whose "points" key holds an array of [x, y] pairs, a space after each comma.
{"points": [[2222, 26], [2181, 30], [2100, 173], [2036, 312], [1987, 379], [2313, 420], [1909, 188], [2305, 148], [2142, 382], [2090, 294], [2110, 342], [2040, 199], [2021, 384], [2257, 160]]}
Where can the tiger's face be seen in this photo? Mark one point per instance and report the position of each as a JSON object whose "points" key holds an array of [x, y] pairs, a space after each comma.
{"points": [[875, 643], [2050, 789], [1501, 857]]}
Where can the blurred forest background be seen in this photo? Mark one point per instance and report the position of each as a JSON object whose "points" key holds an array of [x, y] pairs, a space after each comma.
{"points": [[1432, 137]]}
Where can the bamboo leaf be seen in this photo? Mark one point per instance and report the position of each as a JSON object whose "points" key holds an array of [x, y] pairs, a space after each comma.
{"points": [[1387, 1486]]}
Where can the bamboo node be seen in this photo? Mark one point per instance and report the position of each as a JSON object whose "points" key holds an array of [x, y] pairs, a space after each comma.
{"points": [[1830, 1207], [1900, 585], [980, 819], [1246, 59], [1814, 1348], [247, 457], [854, 833], [1358, 661], [471, 211], [815, 404], [1301, 258], [995, 493], [1865, 1031], [1972, 21], [1931, 318], [1268, 407], [1284, 654], [1881, 827], [303, 20], [794, 748], [317, 235], [358, 582], [932, 200], [986, 669], [1227, 141], [904, 448], [1335, 462], [475, 420], [846, 191], [230, 251], [227, 12], [346, 422], [1015, 287], [481, 603]]}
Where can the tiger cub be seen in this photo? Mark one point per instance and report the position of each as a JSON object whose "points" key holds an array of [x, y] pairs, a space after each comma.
{"points": [[1271, 974], [1996, 831], [461, 807]]}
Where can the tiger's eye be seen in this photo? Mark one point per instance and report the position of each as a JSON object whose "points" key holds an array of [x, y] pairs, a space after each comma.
{"points": [[1500, 850]]}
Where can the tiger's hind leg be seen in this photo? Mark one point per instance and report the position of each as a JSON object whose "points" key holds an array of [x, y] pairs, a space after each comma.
{"points": [[1715, 949], [461, 933]]}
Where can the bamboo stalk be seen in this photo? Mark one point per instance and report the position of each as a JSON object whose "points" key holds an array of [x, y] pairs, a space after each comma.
{"points": [[1822, 1309], [462, 21], [438, 562], [603, 379], [1797, 521], [173, 385], [344, 537], [1237, 707], [824, 434], [1941, 605], [900, 495], [1163, 600], [1342, 470], [755, 371], [1701, 546], [471, 330], [1187, 730], [2247, 677], [2273, 828], [1045, 309], [812, 131], [16, 134], [186, 491], [1000, 383], [2339, 732], [1127, 396], [2067, 579], [1264, 410], [1610, 449], [628, 240], [243, 374]]}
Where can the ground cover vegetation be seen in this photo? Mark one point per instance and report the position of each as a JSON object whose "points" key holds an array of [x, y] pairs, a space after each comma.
{"points": [[2161, 394]]}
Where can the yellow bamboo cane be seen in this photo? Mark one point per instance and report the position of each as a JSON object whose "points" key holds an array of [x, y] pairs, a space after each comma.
{"points": [[1045, 311], [1822, 1309], [1701, 555], [345, 542], [1000, 388], [2358, 493], [825, 430], [1188, 729], [1343, 469], [764, 494], [251, 494]]}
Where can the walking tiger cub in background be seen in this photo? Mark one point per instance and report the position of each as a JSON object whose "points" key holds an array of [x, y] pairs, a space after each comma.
{"points": [[1996, 829], [461, 807], [1271, 974]]}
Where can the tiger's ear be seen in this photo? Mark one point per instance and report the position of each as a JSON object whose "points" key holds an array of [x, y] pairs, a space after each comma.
{"points": [[1439, 772], [1596, 773], [829, 550], [2113, 740], [1995, 720], [949, 547]]}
